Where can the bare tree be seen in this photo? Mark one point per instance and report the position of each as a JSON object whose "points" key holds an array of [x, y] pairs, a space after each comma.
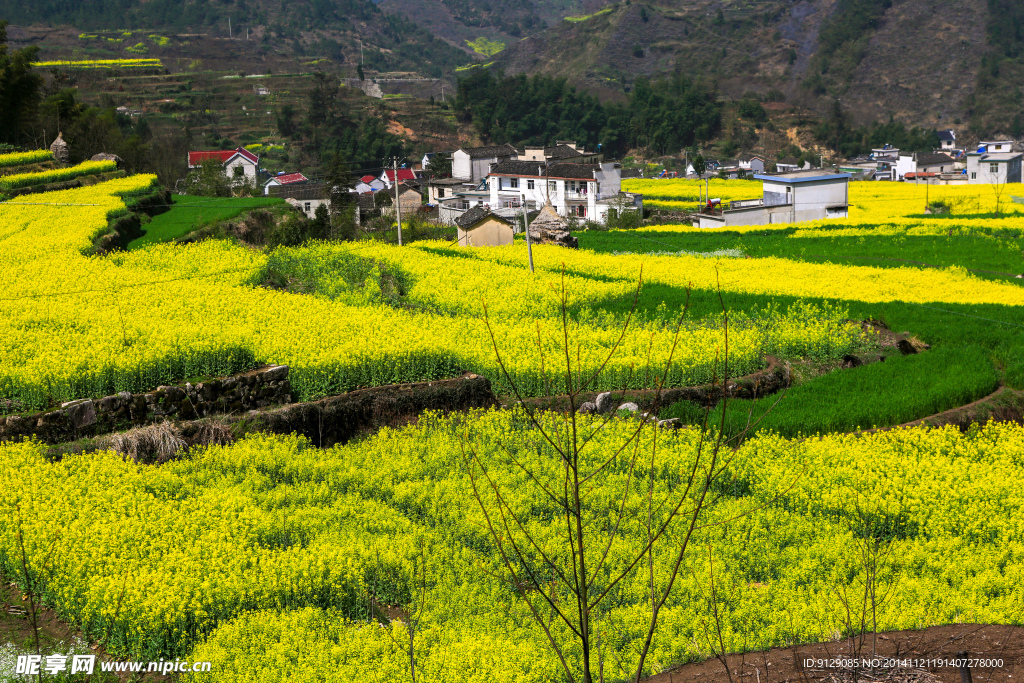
{"points": [[610, 510], [874, 536]]}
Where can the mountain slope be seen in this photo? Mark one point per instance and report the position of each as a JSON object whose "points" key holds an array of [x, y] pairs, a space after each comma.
{"points": [[464, 22], [344, 31], [923, 62]]}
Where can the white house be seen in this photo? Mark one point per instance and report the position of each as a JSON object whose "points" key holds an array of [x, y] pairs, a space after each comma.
{"points": [[751, 162], [994, 168], [369, 183], [886, 152], [787, 165], [240, 165], [790, 197], [305, 197], [587, 191], [404, 175], [284, 179], [947, 139], [996, 146], [474, 163], [935, 163], [907, 163], [450, 208], [440, 189]]}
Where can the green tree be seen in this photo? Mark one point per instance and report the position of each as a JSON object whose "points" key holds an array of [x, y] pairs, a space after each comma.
{"points": [[338, 179], [20, 90], [286, 125], [209, 180], [752, 110], [439, 166], [699, 165]]}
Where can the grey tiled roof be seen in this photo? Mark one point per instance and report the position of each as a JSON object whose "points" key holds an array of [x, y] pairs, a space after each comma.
{"points": [[933, 159], [473, 216], [490, 151], [538, 169], [509, 167], [561, 152], [576, 171]]}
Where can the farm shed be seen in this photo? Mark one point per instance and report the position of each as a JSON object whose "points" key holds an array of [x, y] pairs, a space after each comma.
{"points": [[478, 227]]}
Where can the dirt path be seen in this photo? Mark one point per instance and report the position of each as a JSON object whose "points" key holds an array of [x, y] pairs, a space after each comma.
{"points": [[1004, 644]]}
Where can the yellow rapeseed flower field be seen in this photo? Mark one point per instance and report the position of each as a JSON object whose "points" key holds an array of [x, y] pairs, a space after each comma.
{"points": [[266, 557], [75, 325]]}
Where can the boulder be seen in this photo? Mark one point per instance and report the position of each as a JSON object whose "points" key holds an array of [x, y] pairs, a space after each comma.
{"points": [[851, 361], [670, 423], [630, 406], [905, 347], [587, 408], [81, 413], [274, 373], [109, 404], [604, 402], [105, 156]]}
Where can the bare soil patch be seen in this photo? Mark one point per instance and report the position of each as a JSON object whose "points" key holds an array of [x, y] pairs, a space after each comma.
{"points": [[923, 656]]}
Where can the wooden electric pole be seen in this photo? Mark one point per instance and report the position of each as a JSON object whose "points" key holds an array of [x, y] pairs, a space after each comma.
{"points": [[529, 242], [398, 206]]}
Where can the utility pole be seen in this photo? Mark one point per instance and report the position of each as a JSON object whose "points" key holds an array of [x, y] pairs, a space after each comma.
{"points": [[229, 29], [529, 242], [398, 207]]}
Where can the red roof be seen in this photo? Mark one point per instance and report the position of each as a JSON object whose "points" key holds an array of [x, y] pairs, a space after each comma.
{"points": [[248, 155], [403, 174], [196, 158], [221, 155], [290, 178], [368, 179]]}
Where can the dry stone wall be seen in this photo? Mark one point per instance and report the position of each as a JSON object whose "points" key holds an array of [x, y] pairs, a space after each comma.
{"points": [[88, 417]]}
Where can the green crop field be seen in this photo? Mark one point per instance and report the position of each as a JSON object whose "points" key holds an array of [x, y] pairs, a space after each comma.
{"points": [[191, 213]]}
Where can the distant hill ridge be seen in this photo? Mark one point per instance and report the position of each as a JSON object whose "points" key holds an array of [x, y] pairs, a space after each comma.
{"points": [[923, 62]]}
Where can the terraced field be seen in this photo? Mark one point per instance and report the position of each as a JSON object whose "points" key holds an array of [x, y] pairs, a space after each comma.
{"points": [[269, 555]]}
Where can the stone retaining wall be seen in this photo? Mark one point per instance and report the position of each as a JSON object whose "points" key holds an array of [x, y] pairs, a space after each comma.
{"points": [[89, 417]]}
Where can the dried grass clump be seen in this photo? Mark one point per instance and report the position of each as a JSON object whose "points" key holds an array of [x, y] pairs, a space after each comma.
{"points": [[153, 444], [212, 433]]}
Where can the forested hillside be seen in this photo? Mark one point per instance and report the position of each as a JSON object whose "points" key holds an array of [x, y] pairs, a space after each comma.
{"points": [[923, 62], [344, 31]]}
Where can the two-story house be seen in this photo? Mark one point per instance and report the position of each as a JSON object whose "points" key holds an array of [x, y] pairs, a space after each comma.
{"points": [[947, 140], [751, 162], [993, 168], [586, 191], [474, 163]]}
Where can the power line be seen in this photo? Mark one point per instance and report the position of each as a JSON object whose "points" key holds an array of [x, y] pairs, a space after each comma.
{"points": [[106, 290]]}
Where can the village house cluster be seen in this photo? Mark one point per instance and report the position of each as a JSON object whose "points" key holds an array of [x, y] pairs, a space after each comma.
{"points": [[498, 179], [498, 188]]}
